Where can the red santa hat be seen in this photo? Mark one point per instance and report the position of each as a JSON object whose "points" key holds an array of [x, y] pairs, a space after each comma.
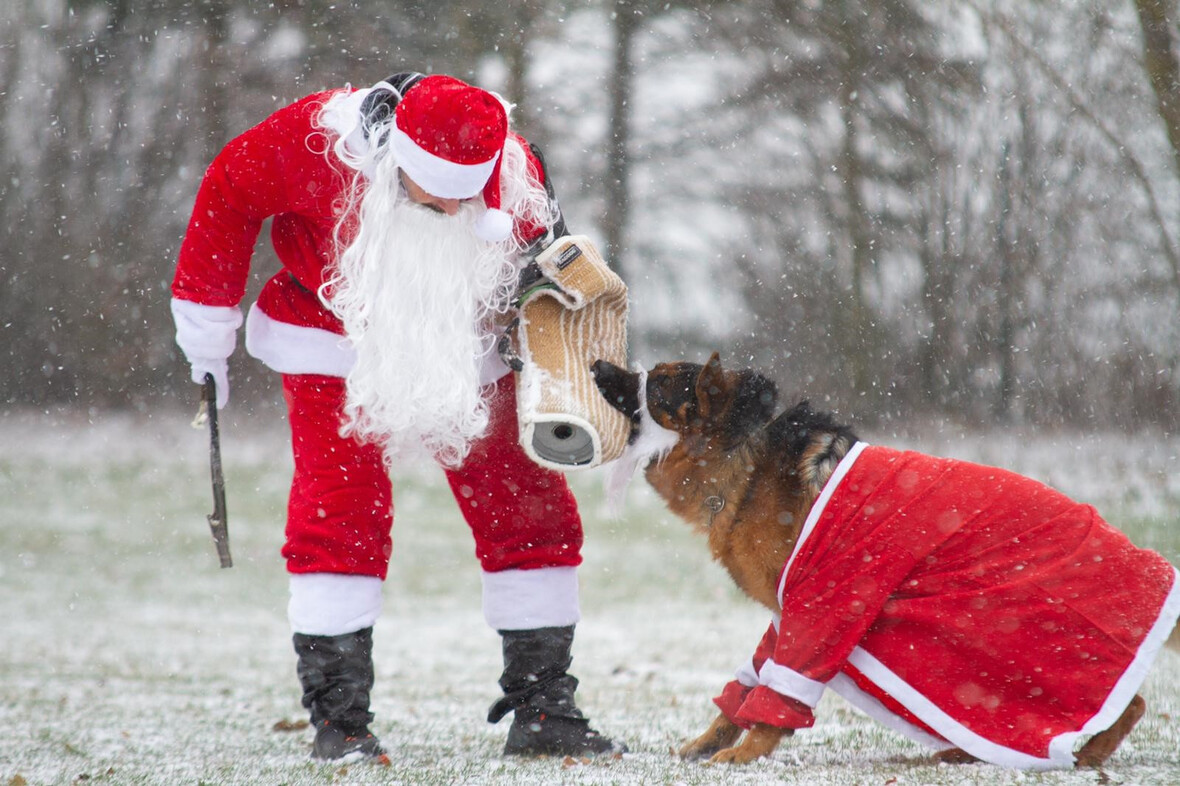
{"points": [[448, 138]]}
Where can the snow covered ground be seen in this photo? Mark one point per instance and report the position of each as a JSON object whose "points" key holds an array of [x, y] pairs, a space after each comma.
{"points": [[128, 657]]}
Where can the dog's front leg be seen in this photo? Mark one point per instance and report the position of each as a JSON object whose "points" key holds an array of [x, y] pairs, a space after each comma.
{"points": [[759, 741], [721, 734]]}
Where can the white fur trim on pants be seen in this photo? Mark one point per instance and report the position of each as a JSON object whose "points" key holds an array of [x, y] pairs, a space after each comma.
{"points": [[527, 599], [332, 604]]}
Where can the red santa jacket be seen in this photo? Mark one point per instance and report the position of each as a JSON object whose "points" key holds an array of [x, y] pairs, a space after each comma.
{"points": [[284, 168], [963, 605]]}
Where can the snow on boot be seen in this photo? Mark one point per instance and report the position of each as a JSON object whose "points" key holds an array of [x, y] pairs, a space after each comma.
{"points": [[336, 673], [538, 689]]}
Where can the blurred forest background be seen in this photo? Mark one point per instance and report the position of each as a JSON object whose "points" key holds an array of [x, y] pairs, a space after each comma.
{"points": [[900, 208]]}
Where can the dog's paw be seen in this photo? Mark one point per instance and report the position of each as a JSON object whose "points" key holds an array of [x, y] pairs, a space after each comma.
{"points": [[760, 741], [706, 745], [721, 734], [695, 750], [734, 755]]}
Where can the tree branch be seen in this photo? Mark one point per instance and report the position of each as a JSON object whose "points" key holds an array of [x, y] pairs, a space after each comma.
{"points": [[1078, 102]]}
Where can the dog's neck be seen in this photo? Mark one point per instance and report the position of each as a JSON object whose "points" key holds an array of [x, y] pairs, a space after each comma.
{"points": [[725, 493], [703, 502], [811, 472], [718, 502], [753, 506]]}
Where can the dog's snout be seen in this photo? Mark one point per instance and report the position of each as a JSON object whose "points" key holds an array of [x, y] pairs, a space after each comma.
{"points": [[619, 386]]}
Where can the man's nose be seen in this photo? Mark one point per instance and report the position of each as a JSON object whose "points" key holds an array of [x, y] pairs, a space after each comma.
{"points": [[448, 206]]}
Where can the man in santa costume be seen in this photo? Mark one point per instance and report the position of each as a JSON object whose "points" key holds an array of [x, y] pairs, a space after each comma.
{"points": [[401, 214]]}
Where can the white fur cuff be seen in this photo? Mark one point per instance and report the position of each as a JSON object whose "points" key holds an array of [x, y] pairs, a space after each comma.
{"points": [[208, 332], [332, 604], [789, 682], [527, 599], [747, 675]]}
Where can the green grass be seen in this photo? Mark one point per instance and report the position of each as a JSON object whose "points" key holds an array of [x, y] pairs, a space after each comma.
{"points": [[129, 657]]}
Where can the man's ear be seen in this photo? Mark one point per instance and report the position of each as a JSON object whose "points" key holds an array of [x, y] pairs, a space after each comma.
{"points": [[710, 388]]}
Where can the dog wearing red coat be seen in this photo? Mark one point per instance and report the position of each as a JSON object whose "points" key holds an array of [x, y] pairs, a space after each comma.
{"points": [[973, 609]]}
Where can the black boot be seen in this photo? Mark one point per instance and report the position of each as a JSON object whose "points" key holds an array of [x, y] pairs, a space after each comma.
{"points": [[336, 673], [537, 687]]}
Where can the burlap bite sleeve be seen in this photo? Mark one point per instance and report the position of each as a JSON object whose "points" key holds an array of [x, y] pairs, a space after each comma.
{"points": [[577, 317]]}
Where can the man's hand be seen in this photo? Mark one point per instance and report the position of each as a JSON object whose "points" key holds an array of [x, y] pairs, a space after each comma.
{"points": [[219, 368], [506, 346], [207, 335]]}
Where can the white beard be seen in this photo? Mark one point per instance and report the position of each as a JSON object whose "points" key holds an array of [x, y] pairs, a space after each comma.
{"points": [[417, 292]]}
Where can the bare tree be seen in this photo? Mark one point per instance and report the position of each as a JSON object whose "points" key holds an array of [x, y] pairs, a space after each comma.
{"points": [[832, 109], [1158, 21]]}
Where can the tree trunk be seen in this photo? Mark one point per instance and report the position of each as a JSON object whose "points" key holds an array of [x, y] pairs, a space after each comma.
{"points": [[860, 339], [1163, 69], [618, 162], [214, 76], [516, 57]]}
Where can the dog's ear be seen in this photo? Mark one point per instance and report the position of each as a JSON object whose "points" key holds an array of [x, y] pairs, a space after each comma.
{"points": [[710, 388], [740, 400], [619, 386], [753, 402]]}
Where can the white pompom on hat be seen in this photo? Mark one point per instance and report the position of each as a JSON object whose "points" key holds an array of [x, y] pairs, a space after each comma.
{"points": [[448, 138]]}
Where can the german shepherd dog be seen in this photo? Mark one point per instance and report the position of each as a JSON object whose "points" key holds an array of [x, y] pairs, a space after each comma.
{"points": [[748, 481]]}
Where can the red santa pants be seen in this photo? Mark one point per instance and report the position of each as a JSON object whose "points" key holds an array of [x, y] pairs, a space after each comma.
{"points": [[340, 511]]}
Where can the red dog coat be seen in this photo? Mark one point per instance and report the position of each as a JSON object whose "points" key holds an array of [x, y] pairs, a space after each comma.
{"points": [[963, 605]]}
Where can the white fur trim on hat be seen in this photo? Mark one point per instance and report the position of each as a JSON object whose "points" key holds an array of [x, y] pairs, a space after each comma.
{"points": [[436, 175]]}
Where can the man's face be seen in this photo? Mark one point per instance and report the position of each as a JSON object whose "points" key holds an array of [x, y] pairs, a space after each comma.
{"points": [[419, 196]]}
